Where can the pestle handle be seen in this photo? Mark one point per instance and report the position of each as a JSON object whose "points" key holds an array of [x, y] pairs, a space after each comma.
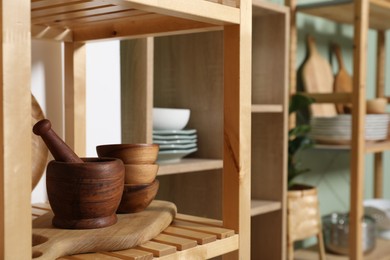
{"points": [[58, 148]]}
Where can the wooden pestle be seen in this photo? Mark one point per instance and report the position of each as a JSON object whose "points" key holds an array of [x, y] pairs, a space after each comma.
{"points": [[58, 148]]}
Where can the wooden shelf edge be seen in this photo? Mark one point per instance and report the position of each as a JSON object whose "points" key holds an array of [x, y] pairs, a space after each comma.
{"points": [[272, 108], [189, 165], [371, 147], [261, 7], [259, 207], [342, 98]]}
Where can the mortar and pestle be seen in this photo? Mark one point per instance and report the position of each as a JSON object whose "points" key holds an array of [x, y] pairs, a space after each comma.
{"points": [[84, 193]]}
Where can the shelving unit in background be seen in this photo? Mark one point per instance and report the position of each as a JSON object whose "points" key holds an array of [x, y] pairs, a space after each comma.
{"points": [[364, 14], [78, 22]]}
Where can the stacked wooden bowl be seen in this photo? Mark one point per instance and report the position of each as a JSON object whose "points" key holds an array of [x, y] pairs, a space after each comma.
{"points": [[140, 184]]}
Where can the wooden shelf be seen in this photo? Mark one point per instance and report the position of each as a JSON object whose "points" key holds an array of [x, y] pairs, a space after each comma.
{"points": [[259, 207], [371, 147], [343, 11], [81, 21], [184, 238], [189, 165], [330, 97], [267, 108]]}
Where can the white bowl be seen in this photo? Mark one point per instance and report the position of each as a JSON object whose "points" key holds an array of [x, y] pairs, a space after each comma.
{"points": [[170, 118]]}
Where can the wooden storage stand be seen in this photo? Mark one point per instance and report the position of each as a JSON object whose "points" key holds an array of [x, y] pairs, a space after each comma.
{"points": [[188, 73], [76, 23], [362, 14]]}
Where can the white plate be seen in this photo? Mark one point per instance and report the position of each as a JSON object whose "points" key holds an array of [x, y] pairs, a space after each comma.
{"points": [[173, 155], [177, 146], [178, 141], [173, 137], [174, 132]]}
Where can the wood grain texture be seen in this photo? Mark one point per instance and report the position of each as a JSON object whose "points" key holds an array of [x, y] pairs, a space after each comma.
{"points": [[39, 149], [317, 77], [130, 230], [342, 80]]}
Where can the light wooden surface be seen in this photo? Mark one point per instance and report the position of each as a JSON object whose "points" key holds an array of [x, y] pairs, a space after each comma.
{"points": [[130, 230], [343, 12], [342, 79], [259, 207], [189, 165], [358, 133], [173, 245], [15, 131], [267, 108], [317, 77]]}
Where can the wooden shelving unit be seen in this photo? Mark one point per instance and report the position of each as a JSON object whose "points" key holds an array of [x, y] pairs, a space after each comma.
{"points": [[365, 14], [188, 73], [77, 22]]}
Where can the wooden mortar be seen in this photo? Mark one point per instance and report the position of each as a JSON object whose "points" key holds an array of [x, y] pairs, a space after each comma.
{"points": [[83, 193]]}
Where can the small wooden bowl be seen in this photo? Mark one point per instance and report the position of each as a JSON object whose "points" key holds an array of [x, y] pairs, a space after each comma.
{"points": [[130, 153], [136, 198], [376, 106], [138, 174], [85, 195]]}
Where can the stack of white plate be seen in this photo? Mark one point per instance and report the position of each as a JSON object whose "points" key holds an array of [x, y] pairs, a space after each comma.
{"points": [[175, 144], [337, 130]]}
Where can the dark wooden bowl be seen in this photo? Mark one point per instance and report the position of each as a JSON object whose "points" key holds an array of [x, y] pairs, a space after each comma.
{"points": [[130, 153], [139, 174], [136, 198], [85, 195]]}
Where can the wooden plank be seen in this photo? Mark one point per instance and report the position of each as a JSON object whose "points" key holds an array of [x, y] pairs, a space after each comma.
{"points": [[15, 131], [48, 3], [131, 254], [330, 97], [179, 242], [75, 97], [259, 207], [358, 133], [137, 61], [49, 33], [189, 165], [267, 108], [201, 220], [218, 231], [157, 249], [200, 237], [66, 8], [94, 256]]}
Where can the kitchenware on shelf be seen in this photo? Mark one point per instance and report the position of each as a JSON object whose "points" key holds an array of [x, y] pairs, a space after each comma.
{"points": [[379, 209], [342, 80], [137, 174], [170, 118], [131, 230], [136, 198], [83, 193], [376, 106], [175, 144], [130, 153], [338, 129], [317, 77], [336, 233], [39, 149]]}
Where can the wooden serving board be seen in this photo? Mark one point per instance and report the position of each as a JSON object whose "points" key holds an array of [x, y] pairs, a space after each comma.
{"points": [[130, 230], [318, 77], [342, 80]]}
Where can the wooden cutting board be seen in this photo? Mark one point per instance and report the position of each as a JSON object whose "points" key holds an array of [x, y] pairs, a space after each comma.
{"points": [[130, 230], [342, 81], [317, 77]]}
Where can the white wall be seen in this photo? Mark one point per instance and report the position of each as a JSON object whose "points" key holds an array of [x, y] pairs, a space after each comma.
{"points": [[103, 94]]}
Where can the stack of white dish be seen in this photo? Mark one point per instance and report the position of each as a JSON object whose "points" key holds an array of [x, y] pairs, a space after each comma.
{"points": [[338, 130], [175, 144], [379, 209], [168, 132]]}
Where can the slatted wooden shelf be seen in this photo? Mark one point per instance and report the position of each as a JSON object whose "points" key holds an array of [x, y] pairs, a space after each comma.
{"points": [[187, 236], [85, 20], [259, 207], [343, 11], [189, 165], [371, 147]]}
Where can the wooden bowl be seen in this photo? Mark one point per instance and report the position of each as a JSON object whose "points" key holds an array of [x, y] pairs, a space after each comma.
{"points": [[138, 174], [85, 195], [376, 106], [130, 153], [136, 198]]}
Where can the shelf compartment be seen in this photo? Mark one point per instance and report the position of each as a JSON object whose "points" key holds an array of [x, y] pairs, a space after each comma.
{"points": [[343, 12], [109, 19], [189, 165], [259, 207], [272, 108], [176, 242]]}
